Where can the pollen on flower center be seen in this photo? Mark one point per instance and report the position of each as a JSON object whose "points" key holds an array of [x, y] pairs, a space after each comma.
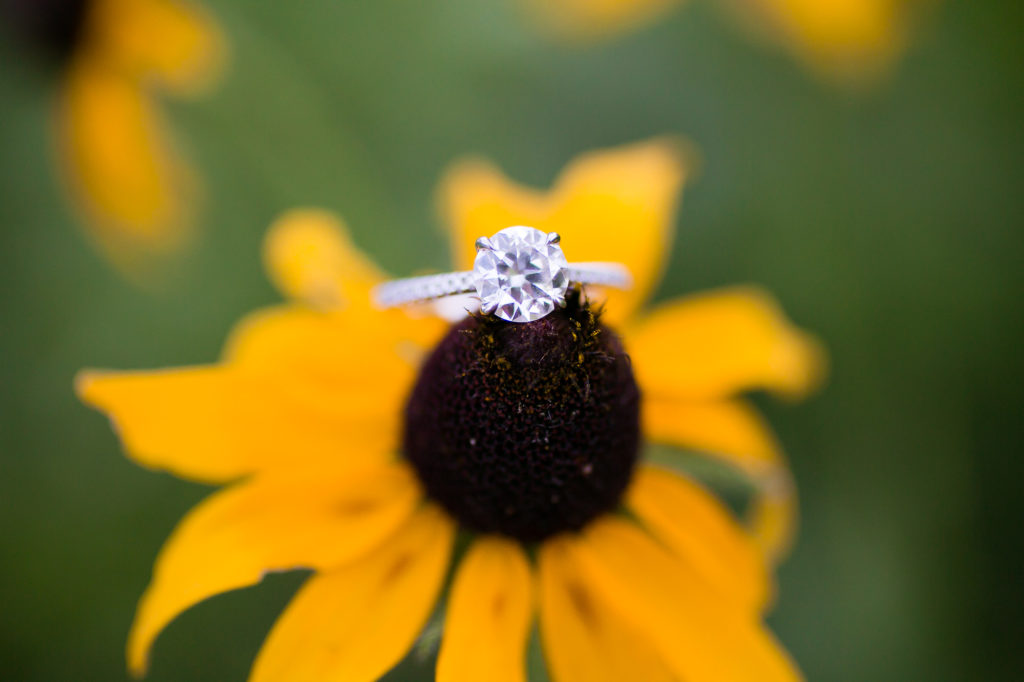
{"points": [[525, 430]]}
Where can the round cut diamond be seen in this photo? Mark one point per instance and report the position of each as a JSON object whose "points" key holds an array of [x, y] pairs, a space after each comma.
{"points": [[521, 274]]}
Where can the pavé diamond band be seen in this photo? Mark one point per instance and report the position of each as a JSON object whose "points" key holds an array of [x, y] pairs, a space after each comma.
{"points": [[520, 275]]}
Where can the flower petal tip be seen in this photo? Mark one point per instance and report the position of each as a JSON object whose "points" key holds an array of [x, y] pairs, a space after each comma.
{"points": [[137, 652], [88, 387], [82, 382], [670, 154], [463, 178], [310, 256], [180, 44], [809, 366], [801, 360], [138, 669], [665, 161]]}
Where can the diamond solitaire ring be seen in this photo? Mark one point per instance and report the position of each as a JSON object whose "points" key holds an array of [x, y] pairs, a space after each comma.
{"points": [[520, 275]]}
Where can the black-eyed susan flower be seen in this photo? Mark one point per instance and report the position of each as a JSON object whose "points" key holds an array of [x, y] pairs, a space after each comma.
{"points": [[129, 184], [845, 39], [358, 442]]}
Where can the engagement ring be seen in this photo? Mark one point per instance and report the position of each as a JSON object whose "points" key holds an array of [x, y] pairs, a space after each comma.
{"points": [[520, 275]]}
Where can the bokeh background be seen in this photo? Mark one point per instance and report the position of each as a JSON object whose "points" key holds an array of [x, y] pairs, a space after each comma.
{"points": [[886, 218]]}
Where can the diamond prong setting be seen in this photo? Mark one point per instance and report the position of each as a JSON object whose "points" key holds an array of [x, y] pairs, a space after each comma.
{"points": [[521, 275]]}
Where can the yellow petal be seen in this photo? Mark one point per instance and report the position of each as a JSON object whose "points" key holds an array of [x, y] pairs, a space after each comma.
{"points": [[583, 639], [310, 257], [487, 624], [358, 355], [132, 187], [591, 19], [700, 635], [353, 624], [732, 431], [173, 43], [298, 387], [612, 205], [715, 344], [216, 424], [694, 525], [850, 39], [317, 520]]}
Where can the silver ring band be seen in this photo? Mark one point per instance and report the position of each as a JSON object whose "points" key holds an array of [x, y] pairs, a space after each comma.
{"points": [[520, 274], [428, 287]]}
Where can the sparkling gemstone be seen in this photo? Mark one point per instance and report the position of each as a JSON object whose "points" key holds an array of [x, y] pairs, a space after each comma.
{"points": [[521, 274]]}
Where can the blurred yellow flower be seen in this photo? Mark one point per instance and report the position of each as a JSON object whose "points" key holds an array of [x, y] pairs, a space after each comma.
{"points": [[305, 416], [130, 186], [845, 39]]}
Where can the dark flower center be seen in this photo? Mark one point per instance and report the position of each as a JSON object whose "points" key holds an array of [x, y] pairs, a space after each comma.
{"points": [[526, 430], [53, 25]]}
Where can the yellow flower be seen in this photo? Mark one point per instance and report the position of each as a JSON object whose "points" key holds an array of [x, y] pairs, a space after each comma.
{"points": [[132, 189], [846, 39], [304, 415]]}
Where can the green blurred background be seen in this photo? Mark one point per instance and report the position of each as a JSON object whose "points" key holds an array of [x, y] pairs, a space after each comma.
{"points": [[889, 221]]}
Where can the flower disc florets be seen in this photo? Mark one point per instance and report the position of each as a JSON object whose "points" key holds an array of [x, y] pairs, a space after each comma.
{"points": [[526, 430]]}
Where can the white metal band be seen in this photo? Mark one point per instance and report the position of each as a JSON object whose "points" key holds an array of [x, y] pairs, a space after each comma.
{"points": [[427, 287]]}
